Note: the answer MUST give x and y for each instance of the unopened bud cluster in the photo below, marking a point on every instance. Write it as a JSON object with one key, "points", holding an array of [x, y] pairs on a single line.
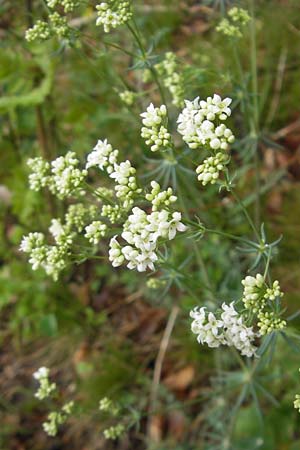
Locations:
{"points": [[158, 197], [155, 130], [62, 176], [53, 258], [127, 97], [57, 24], [155, 283], [209, 170], [233, 25], [259, 298], [172, 79], [57, 418]]}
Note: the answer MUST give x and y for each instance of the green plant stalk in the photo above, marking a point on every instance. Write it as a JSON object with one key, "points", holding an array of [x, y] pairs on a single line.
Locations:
{"points": [[254, 125]]}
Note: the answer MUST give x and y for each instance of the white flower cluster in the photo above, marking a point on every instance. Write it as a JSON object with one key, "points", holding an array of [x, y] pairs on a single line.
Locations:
{"points": [[57, 418], [142, 232], [95, 231], [154, 130], [46, 388], [209, 170], [50, 258], [103, 156], [199, 123], [113, 13], [114, 432], [126, 185], [40, 168], [168, 69], [32, 241], [297, 402], [53, 258], [109, 406], [229, 330], [63, 177], [61, 234], [160, 198], [66, 178]]}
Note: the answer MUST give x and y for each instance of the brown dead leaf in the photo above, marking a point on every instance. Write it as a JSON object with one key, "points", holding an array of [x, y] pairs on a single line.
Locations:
{"points": [[180, 380], [176, 425], [274, 202], [81, 354], [156, 425]]}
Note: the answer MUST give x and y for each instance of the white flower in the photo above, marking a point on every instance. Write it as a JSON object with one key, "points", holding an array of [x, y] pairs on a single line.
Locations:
{"points": [[228, 330], [102, 156], [161, 225], [122, 172], [45, 388], [199, 318], [126, 185], [116, 256], [40, 173], [66, 178], [196, 123], [112, 14], [140, 259], [42, 372], [175, 225]]}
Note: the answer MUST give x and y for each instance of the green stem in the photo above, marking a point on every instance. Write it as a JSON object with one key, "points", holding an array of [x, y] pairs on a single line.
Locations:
{"points": [[244, 209], [138, 40], [254, 125]]}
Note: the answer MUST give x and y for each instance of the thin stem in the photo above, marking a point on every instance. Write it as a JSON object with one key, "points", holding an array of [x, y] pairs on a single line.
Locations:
{"points": [[159, 361], [200, 260], [244, 209], [138, 40], [255, 123]]}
